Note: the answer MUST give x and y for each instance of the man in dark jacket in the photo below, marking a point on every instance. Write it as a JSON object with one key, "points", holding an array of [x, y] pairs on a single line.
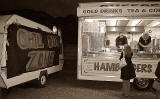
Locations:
{"points": [[144, 42], [157, 71], [121, 40], [157, 74]]}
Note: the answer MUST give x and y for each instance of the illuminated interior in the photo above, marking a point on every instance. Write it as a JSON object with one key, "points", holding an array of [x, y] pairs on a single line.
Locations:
{"points": [[99, 35]]}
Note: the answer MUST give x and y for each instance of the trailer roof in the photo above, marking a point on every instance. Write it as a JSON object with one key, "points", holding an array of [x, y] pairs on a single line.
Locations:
{"points": [[6, 20], [119, 4]]}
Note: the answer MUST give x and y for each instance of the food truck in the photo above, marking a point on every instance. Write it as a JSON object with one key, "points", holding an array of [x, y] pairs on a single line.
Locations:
{"points": [[100, 26], [28, 51]]}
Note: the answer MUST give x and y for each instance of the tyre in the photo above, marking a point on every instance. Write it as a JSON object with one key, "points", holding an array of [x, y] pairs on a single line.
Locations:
{"points": [[42, 80], [142, 83]]}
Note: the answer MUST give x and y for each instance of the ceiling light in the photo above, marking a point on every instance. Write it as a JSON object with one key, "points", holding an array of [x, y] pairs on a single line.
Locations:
{"points": [[89, 20], [113, 22], [153, 23], [156, 23], [54, 29], [133, 22], [113, 28]]}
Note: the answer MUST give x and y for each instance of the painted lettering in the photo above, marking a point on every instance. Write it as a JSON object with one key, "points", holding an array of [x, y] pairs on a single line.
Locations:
{"points": [[149, 68], [26, 39], [143, 68], [143, 10], [90, 11], [103, 67], [96, 66], [133, 10], [111, 11], [53, 41], [138, 68], [154, 10], [40, 59], [106, 66]]}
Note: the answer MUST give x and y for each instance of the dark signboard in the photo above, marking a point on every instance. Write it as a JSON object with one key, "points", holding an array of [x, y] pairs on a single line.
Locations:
{"points": [[30, 49]]}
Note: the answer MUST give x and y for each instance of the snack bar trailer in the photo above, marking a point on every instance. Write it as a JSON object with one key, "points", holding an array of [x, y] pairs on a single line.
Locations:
{"points": [[100, 27]]}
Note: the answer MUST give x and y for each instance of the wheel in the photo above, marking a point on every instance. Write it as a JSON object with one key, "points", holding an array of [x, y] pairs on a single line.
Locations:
{"points": [[42, 80], [142, 83]]}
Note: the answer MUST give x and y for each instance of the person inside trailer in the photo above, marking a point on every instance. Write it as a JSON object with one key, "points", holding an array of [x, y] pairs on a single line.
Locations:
{"points": [[121, 40], [144, 42]]}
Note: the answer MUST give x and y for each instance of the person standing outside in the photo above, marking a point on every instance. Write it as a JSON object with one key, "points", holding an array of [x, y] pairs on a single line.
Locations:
{"points": [[128, 71], [144, 42], [157, 74]]}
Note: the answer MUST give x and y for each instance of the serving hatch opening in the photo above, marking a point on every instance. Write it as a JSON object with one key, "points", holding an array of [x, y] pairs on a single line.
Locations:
{"points": [[100, 35]]}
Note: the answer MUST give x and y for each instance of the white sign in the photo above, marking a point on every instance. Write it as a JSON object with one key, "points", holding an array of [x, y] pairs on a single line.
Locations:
{"points": [[143, 68], [119, 11]]}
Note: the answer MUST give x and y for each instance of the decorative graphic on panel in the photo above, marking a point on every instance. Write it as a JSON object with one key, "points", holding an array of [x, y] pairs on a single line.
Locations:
{"points": [[30, 49]]}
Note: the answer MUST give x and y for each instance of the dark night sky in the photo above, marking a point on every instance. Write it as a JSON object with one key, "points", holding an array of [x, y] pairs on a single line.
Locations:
{"points": [[52, 7]]}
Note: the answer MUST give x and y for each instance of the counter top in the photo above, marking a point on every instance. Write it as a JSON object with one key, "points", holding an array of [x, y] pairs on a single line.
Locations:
{"points": [[146, 56]]}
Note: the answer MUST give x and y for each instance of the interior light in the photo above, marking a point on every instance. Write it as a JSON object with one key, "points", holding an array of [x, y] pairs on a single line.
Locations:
{"points": [[109, 76], [113, 28], [133, 29], [102, 27], [54, 29], [89, 20], [102, 30], [107, 49], [156, 23], [133, 22], [113, 22]]}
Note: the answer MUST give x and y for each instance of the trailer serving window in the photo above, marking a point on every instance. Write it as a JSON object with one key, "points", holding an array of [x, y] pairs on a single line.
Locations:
{"points": [[102, 37], [105, 27]]}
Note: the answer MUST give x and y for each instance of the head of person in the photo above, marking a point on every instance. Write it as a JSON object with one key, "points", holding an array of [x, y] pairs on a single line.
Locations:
{"points": [[127, 50], [121, 34], [145, 36]]}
